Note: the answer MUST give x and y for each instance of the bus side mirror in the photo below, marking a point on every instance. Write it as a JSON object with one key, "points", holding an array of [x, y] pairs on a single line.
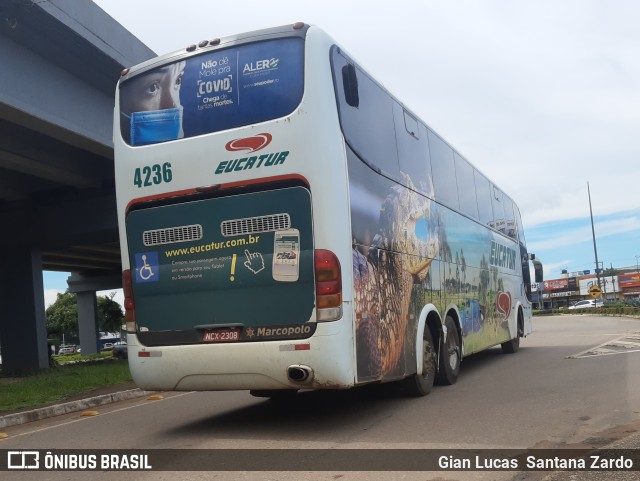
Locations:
{"points": [[350, 83], [537, 267]]}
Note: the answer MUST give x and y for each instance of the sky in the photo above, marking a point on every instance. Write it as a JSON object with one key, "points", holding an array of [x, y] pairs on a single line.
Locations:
{"points": [[543, 97]]}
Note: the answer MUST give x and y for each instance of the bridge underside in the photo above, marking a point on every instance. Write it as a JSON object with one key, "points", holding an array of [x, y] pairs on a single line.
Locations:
{"points": [[61, 61]]}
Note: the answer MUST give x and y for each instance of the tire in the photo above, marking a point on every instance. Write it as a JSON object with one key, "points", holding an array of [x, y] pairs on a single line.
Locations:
{"points": [[418, 385], [449, 355], [512, 346], [275, 394]]}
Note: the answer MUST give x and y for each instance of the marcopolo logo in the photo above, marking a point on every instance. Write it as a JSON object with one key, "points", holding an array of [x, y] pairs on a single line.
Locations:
{"points": [[250, 144], [296, 331]]}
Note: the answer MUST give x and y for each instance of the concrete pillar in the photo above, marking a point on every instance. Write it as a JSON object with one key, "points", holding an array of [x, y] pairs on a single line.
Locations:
{"points": [[23, 332], [85, 287], [87, 313]]}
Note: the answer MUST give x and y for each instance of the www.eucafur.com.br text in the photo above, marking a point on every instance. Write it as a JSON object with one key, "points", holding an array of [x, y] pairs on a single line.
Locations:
{"points": [[213, 246]]}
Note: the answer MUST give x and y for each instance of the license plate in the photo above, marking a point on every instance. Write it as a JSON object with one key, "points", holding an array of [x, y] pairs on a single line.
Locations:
{"points": [[223, 334]]}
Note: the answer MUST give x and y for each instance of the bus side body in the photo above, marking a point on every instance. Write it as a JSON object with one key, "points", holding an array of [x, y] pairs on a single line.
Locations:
{"points": [[433, 238]]}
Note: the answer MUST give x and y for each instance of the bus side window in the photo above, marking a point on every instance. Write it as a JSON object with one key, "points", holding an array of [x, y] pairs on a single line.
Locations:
{"points": [[411, 125], [519, 226], [413, 151], [483, 193], [500, 220], [367, 120], [510, 229], [444, 171], [466, 187]]}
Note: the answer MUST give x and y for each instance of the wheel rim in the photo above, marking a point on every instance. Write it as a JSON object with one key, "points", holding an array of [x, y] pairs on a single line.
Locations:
{"points": [[520, 328], [454, 357], [428, 363]]}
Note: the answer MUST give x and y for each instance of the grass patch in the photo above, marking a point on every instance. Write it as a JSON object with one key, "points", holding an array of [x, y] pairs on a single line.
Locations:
{"points": [[59, 383], [77, 357]]}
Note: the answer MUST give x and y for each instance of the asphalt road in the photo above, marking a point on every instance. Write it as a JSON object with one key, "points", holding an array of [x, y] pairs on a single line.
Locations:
{"points": [[574, 383]]}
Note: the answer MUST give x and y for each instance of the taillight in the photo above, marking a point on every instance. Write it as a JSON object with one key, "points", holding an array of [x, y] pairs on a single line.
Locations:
{"points": [[129, 305], [328, 286]]}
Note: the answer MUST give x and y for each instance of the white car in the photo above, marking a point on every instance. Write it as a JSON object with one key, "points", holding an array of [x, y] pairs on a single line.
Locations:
{"points": [[66, 350], [586, 304]]}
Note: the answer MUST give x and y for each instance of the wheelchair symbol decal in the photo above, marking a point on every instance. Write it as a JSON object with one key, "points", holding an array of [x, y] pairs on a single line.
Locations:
{"points": [[147, 267]]}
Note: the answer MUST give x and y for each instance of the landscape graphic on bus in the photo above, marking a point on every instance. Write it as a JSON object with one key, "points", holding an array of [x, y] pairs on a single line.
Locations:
{"points": [[404, 258], [217, 90]]}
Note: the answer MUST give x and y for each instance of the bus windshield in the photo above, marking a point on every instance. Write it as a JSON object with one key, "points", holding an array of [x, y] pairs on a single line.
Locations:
{"points": [[215, 91]]}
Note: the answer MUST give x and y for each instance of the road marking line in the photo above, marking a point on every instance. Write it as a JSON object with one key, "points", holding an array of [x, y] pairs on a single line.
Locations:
{"points": [[624, 344]]}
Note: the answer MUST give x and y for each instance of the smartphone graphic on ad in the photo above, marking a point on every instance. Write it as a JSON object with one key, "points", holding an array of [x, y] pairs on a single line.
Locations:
{"points": [[286, 255]]}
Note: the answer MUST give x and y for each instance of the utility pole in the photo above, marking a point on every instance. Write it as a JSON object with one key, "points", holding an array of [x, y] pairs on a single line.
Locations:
{"points": [[614, 274], [593, 233]]}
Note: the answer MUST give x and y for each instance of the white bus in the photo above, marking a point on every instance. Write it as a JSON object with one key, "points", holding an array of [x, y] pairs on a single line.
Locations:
{"points": [[286, 224]]}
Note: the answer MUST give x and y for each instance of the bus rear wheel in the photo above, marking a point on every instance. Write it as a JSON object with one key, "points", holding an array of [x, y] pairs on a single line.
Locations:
{"points": [[274, 394], [421, 384], [449, 355]]}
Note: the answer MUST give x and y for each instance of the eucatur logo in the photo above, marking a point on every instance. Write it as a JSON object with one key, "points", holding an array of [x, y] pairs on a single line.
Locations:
{"points": [[250, 144]]}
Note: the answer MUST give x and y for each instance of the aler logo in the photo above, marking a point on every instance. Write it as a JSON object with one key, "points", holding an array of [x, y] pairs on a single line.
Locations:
{"points": [[250, 144]]}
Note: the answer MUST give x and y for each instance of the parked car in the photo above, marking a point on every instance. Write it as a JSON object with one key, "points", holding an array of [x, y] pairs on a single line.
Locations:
{"points": [[120, 350], [66, 350], [586, 304]]}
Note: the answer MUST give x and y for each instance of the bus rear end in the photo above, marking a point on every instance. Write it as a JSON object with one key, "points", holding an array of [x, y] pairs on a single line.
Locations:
{"points": [[232, 233]]}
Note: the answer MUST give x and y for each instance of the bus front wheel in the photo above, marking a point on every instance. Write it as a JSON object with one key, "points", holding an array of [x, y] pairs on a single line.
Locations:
{"points": [[512, 346]]}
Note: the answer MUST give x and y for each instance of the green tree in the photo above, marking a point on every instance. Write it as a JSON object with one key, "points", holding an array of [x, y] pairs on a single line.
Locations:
{"points": [[110, 315], [62, 316], [610, 272]]}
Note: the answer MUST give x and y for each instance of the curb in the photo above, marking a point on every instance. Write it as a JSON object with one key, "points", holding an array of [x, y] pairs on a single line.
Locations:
{"points": [[68, 407]]}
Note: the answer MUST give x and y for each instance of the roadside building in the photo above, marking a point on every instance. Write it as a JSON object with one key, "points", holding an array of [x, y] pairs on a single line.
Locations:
{"points": [[629, 285], [571, 288]]}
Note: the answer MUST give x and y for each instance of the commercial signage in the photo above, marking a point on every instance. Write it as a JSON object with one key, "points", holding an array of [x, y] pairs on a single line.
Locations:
{"points": [[629, 280], [563, 284], [556, 284], [608, 284], [564, 294]]}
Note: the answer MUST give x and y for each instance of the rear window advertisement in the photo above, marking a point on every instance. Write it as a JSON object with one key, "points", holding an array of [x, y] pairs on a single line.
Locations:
{"points": [[214, 91], [218, 261]]}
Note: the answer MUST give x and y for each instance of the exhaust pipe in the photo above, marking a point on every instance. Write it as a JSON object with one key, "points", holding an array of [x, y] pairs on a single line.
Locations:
{"points": [[300, 374]]}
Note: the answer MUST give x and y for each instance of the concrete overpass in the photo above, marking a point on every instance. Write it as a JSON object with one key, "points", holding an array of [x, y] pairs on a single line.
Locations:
{"points": [[61, 60]]}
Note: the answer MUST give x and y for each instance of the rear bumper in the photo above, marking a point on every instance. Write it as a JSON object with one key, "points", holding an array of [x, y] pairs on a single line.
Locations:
{"points": [[248, 365]]}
